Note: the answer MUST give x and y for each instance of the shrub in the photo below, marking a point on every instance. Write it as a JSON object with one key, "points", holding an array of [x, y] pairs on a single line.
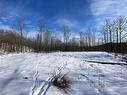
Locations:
{"points": [[62, 82]]}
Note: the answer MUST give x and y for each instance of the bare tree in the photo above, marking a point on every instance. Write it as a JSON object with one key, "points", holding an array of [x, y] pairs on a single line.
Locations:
{"points": [[122, 25], [106, 30], [82, 39], [20, 27], [67, 34], [40, 34], [89, 36]]}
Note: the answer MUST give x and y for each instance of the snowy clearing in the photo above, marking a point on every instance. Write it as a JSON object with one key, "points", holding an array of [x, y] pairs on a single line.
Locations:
{"points": [[88, 78]]}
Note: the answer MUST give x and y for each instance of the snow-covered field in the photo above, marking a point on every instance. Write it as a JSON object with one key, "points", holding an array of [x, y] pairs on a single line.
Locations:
{"points": [[88, 78]]}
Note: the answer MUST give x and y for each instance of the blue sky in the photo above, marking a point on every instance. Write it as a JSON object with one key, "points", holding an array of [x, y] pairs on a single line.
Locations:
{"points": [[77, 14]]}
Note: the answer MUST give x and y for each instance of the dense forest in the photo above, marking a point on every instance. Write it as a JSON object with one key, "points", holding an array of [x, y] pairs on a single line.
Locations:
{"points": [[112, 38]]}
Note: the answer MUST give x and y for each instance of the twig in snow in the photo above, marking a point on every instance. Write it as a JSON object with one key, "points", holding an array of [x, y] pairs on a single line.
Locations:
{"points": [[45, 86], [34, 83]]}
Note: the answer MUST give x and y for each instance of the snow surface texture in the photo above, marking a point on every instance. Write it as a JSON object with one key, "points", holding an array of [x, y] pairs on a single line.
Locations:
{"points": [[20, 72]]}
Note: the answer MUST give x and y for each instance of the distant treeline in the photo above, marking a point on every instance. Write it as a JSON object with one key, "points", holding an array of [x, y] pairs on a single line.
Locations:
{"points": [[112, 39]]}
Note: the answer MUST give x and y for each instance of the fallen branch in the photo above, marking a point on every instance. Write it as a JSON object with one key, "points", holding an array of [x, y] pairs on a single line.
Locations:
{"points": [[111, 63]]}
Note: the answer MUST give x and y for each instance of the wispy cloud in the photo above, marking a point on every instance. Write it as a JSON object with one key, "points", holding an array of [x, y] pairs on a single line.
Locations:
{"points": [[112, 8], [66, 22]]}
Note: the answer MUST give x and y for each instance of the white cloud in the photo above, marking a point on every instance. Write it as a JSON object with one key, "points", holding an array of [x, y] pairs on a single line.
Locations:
{"points": [[66, 22], [112, 8], [99, 7]]}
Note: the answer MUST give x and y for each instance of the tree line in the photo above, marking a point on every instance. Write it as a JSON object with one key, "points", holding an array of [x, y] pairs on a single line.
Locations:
{"points": [[115, 33], [113, 36]]}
